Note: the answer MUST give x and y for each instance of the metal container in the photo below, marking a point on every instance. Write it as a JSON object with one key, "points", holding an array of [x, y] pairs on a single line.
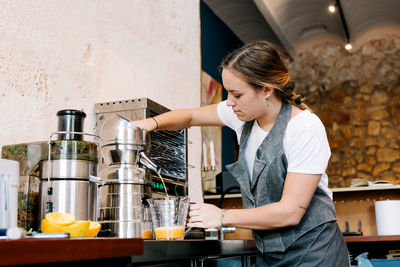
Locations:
{"points": [[167, 149], [70, 120], [65, 171], [77, 197], [118, 153], [119, 130], [68, 169], [125, 174], [124, 210], [126, 180], [72, 192], [127, 154]]}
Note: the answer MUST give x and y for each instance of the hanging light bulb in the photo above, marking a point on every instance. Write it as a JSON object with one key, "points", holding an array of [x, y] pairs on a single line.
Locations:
{"points": [[332, 8], [348, 46]]}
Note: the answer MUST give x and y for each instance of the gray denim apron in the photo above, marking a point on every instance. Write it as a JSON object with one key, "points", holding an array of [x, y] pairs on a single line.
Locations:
{"points": [[266, 187]]}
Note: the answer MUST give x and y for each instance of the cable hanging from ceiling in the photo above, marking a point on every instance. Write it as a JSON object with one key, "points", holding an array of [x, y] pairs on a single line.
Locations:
{"points": [[336, 6]]}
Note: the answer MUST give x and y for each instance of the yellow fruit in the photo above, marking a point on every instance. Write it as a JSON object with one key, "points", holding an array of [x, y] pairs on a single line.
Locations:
{"points": [[49, 227], [60, 218], [94, 228], [148, 234], [77, 229]]}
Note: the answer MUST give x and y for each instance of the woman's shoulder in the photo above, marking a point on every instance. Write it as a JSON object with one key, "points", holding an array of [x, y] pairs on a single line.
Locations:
{"points": [[295, 111], [305, 119]]}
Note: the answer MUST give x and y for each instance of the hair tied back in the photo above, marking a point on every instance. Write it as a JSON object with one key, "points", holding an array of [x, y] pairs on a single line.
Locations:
{"points": [[289, 86]]}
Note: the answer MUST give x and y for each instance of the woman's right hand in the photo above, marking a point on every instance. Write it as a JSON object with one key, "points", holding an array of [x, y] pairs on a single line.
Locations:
{"points": [[182, 118], [147, 124]]}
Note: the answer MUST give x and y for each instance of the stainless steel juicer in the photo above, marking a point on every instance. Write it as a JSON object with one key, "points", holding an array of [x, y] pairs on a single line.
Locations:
{"points": [[64, 174], [167, 149], [126, 179]]}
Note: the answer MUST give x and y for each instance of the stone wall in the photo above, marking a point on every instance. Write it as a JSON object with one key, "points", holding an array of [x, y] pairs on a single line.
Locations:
{"points": [[357, 97]]}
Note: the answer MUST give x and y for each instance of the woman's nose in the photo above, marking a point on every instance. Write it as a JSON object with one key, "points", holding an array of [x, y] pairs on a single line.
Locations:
{"points": [[230, 102]]}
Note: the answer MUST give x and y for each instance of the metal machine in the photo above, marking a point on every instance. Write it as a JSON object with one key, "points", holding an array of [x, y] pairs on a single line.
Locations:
{"points": [[167, 149], [64, 174], [125, 182], [128, 175]]}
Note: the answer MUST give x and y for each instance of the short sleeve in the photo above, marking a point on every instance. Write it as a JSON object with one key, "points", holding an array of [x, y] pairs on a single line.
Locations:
{"points": [[308, 150], [228, 117]]}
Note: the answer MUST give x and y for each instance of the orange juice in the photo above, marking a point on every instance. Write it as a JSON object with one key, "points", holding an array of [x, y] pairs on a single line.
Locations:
{"points": [[176, 232], [147, 234], [162, 180]]}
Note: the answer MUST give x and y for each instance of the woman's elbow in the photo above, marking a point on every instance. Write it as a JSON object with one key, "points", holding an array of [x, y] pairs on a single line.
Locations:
{"points": [[293, 218]]}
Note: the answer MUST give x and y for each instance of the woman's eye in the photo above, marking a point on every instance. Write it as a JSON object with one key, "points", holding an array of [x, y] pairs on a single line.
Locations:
{"points": [[237, 96]]}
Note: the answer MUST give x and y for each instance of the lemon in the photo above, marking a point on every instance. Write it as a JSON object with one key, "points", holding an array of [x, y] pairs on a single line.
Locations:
{"points": [[94, 228], [60, 218], [77, 229], [49, 227]]}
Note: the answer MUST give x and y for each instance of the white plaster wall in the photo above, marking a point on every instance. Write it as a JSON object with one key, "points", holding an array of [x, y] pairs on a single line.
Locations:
{"points": [[72, 54]]}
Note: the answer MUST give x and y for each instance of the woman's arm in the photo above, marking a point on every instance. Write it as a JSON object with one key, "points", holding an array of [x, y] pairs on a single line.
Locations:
{"points": [[182, 118], [297, 194]]}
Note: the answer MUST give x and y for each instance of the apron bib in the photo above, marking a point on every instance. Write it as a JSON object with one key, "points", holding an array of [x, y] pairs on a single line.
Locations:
{"points": [[266, 187]]}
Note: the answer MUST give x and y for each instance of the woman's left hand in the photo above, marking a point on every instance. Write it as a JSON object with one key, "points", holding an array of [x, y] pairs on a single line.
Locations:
{"points": [[204, 216]]}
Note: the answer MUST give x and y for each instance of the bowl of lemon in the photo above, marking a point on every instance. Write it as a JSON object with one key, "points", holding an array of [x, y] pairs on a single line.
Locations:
{"points": [[59, 222]]}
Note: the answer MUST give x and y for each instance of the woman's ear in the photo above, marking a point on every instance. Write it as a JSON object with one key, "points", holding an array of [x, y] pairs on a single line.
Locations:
{"points": [[268, 91]]}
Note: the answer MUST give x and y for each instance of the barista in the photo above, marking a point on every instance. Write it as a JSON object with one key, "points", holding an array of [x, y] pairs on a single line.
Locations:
{"points": [[283, 156]]}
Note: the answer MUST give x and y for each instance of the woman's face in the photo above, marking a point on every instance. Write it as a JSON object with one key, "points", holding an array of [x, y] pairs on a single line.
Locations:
{"points": [[247, 103]]}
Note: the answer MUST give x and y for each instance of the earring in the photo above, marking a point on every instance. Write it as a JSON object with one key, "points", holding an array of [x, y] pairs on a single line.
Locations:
{"points": [[267, 102]]}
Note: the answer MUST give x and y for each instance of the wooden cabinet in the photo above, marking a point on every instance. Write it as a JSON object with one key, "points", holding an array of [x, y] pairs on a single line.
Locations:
{"points": [[376, 246], [351, 204], [357, 204]]}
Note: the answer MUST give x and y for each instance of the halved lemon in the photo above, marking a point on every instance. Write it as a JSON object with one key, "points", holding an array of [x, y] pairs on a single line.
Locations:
{"points": [[60, 218], [49, 227], [94, 228], [77, 229]]}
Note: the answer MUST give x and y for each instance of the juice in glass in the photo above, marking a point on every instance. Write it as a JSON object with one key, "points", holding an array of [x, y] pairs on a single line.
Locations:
{"points": [[168, 233], [169, 217], [147, 234]]}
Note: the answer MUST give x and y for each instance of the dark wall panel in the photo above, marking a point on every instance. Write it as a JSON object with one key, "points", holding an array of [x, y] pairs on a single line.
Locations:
{"points": [[217, 40]]}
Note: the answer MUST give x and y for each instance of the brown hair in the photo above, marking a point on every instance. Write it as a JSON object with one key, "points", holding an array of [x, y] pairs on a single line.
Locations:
{"points": [[261, 64]]}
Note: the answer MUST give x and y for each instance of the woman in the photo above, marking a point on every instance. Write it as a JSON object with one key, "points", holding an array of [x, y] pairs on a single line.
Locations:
{"points": [[283, 156]]}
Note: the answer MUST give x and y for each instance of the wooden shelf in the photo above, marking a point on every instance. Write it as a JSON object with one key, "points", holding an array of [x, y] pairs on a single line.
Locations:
{"points": [[365, 188], [352, 204], [39, 251], [238, 195], [334, 190], [382, 238]]}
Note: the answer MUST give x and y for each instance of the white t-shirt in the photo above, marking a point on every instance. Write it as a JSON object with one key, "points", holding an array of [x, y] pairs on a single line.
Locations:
{"points": [[305, 143]]}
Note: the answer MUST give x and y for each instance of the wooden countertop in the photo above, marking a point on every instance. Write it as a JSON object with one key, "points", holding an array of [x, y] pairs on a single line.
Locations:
{"points": [[33, 251], [39, 251]]}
